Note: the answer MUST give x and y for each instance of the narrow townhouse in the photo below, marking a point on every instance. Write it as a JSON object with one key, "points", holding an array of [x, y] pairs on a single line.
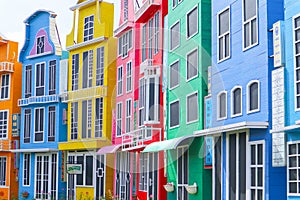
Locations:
{"points": [[10, 92], [239, 108], [91, 81], [41, 174]]}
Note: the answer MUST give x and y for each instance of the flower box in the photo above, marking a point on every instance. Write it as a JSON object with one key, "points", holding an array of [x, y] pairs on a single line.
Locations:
{"points": [[25, 194], [169, 187], [191, 189]]}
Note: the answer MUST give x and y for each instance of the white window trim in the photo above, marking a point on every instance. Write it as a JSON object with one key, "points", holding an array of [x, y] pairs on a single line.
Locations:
{"points": [[175, 23], [186, 107], [176, 126], [9, 87], [186, 64], [248, 96], [120, 80], [218, 105], [156, 99], [249, 21], [130, 116], [174, 6], [55, 119], [213, 168], [88, 35], [188, 158], [36, 45], [229, 32], [49, 75], [186, 17], [120, 54], [34, 125], [121, 119], [232, 102], [28, 169], [7, 125], [131, 76], [6, 174], [287, 167], [175, 86], [295, 63], [35, 77]]}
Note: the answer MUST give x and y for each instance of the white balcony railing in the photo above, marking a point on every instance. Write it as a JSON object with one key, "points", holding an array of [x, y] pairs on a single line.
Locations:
{"points": [[38, 99], [7, 145], [98, 91], [138, 138], [6, 67]]}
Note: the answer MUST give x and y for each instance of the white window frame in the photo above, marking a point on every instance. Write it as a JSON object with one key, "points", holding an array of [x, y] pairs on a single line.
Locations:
{"points": [[119, 119], [3, 183], [213, 168], [120, 81], [25, 169], [7, 124], [5, 87], [218, 105], [297, 143], [232, 101], [90, 26], [186, 104], [75, 76], [182, 171], [125, 43], [295, 61], [90, 68], [142, 100], [144, 42], [156, 32], [170, 40], [172, 102], [197, 67], [28, 81], [41, 131], [99, 122], [187, 22], [224, 35], [128, 115], [50, 123], [52, 76], [100, 66], [74, 121], [43, 85], [27, 125], [156, 100], [249, 21], [143, 171], [42, 49], [129, 76], [175, 86], [248, 96]]}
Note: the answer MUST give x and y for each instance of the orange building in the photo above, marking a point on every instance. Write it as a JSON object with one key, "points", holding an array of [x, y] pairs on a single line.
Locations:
{"points": [[10, 92]]}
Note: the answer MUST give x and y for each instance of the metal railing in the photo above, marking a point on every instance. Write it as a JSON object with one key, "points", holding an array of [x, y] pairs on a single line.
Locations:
{"points": [[86, 93], [6, 67], [38, 99]]}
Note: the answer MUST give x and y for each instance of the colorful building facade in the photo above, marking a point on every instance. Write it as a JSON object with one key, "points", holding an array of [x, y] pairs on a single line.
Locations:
{"points": [[42, 125], [91, 80], [240, 102], [10, 92]]}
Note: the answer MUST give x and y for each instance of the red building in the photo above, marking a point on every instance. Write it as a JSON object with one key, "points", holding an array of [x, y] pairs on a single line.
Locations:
{"points": [[139, 101]]}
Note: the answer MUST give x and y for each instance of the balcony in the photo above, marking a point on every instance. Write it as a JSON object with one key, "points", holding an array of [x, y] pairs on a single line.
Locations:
{"points": [[148, 68], [7, 145], [123, 28], [87, 93], [38, 99], [146, 11], [6, 67], [140, 138]]}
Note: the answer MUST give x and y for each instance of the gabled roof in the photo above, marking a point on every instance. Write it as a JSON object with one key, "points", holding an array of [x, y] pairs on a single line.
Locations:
{"points": [[33, 15]]}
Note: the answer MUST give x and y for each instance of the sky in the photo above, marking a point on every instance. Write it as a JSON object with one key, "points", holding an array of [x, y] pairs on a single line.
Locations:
{"points": [[14, 12]]}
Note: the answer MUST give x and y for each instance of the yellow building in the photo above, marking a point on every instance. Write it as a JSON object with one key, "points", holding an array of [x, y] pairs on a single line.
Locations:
{"points": [[91, 82]]}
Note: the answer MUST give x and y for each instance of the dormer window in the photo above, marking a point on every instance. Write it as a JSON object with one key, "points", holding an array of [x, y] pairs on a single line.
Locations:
{"points": [[88, 28], [40, 45]]}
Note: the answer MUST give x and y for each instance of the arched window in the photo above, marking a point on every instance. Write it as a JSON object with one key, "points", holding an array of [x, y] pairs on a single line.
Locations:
{"points": [[253, 96], [222, 105], [236, 99]]}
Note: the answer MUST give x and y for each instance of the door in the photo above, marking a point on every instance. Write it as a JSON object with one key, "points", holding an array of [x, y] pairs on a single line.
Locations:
{"points": [[71, 180], [100, 176], [152, 176], [123, 176], [182, 173]]}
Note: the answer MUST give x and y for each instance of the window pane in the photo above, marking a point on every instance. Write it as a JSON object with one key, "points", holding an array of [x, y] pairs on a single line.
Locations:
{"points": [[174, 74], [89, 170], [297, 35], [260, 176], [192, 106], [221, 48], [253, 31], [222, 105], [293, 174], [237, 101], [246, 35], [224, 22], [192, 22], [254, 96], [260, 154], [293, 187], [253, 175], [292, 149], [174, 114], [253, 156], [227, 45], [298, 47], [192, 64], [175, 35], [249, 9]]}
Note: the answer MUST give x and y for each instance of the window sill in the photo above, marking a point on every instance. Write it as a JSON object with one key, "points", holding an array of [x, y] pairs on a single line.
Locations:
{"points": [[249, 47]]}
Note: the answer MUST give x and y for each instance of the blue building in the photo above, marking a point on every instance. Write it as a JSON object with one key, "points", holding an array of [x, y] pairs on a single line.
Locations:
{"points": [[43, 125], [286, 96], [240, 118]]}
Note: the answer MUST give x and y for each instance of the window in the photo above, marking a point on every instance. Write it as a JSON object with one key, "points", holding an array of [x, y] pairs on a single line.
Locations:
{"points": [[75, 71], [125, 10], [125, 43], [74, 121], [119, 119], [143, 172], [120, 80], [142, 102], [27, 125], [26, 169], [128, 115], [182, 172], [87, 69], [39, 125], [150, 38], [175, 36], [144, 42], [222, 105], [28, 80], [40, 45], [174, 74], [192, 22], [86, 119], [2, 171], [129, 76], [192, 108], [51, 124], [5, 86], [52, 77], [250, 24], [156, 33], [257, 170], [174, 114], [99, 117], [100, 67], [40, 79], [174, 3], [3, 124], [236, 100], [224, 34], [253, 97], [297, 60], [217, 168], [294, 168], [88, 28], [152, 98], [192, 65]]}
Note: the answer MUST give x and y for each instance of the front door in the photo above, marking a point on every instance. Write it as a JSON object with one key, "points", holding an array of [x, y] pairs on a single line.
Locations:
{"points": [[152, 176], [100, 176], [123, 176], [182, 172], [71, 180]]}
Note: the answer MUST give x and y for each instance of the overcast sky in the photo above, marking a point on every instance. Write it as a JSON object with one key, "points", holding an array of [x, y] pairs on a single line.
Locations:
{"points": [[14, 12]]}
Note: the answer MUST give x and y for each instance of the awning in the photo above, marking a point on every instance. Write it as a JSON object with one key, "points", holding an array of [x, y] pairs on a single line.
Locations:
{"points": [[109, 149], [169, 144], [42, 150]]}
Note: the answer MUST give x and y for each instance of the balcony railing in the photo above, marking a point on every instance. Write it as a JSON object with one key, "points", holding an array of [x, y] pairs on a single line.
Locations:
{"points": [[7, 145], [38, 99], [148, 68], [99, 91], [6, 67], [139, 138], [144, 12]]}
